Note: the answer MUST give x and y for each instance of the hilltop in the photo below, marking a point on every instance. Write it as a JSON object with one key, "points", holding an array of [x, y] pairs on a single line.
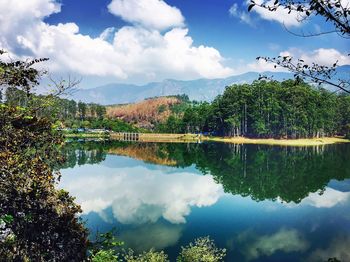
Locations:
{"points": [[149, 112], [199, 89]]}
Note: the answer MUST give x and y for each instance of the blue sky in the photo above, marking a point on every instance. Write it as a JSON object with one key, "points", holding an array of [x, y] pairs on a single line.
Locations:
{"points": [[151, 40]]}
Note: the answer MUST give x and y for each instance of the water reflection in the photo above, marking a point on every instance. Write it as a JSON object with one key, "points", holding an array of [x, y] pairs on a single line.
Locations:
{"points": [[139, 195], [157, 236], [287, 174], [262, 203], [285, 240]]}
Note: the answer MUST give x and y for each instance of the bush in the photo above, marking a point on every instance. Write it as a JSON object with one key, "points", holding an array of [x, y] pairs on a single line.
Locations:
{"points": [[203, 250], [150, 256]]}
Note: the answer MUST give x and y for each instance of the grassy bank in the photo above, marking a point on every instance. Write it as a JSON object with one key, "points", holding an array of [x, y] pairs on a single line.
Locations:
{"points": [[183, 138], [86, 135], [281, 142]]}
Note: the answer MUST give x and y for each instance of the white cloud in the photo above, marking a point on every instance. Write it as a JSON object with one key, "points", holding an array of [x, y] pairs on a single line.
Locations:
{"points": [[108, 34], [132, 52], [321, 56], [338, 248], [324, 56], [285, 240], [281, 15], [155, 14], [261, 66], [241, 15], [328, 199], [138, 195]]}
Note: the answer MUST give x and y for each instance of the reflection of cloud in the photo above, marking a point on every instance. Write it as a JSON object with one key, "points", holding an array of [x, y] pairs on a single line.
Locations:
{"points": [[286, 240], [155, 236], [139, 195], [328, 199], [339, 248]]}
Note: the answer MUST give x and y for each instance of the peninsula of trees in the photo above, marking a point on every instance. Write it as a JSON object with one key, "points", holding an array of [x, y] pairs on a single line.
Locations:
{"points": [[267, 109]]}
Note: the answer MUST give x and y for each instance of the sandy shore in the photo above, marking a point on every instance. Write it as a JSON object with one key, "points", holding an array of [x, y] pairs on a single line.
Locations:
{"points": [[282, 142]]}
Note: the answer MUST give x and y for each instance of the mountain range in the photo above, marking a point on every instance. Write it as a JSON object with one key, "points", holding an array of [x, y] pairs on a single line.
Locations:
{"points": [[200, 89]]}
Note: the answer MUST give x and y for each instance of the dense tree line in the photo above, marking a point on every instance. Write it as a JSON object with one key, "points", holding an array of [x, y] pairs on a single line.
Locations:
{"points": [[268, 109], [61, 108], [66, 113]]}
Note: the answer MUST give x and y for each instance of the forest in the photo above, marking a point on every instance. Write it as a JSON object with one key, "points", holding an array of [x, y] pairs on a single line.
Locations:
{"points": [[264, 109], [66, 113], [267, 109]]}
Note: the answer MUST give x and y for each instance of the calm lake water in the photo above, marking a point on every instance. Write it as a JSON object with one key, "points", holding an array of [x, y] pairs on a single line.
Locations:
{"points": [[261, 203]]}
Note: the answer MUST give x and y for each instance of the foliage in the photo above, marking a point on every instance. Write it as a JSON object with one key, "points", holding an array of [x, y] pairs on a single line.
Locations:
{"points": [[44, 225], [38, 222], [104, 247], [19, 73], [150, 256], [203, 250], [290, 109], [55, 108], [335, 12], [147, 113]]}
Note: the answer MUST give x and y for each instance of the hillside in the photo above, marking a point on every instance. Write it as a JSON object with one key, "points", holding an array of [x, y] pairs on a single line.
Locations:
{"points": [[147, 113], [199, 90]]}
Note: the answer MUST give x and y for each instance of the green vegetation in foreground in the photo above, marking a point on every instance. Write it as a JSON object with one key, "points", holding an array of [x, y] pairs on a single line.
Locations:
{"points": [[67, 114], [202, 250], [38, 222]]}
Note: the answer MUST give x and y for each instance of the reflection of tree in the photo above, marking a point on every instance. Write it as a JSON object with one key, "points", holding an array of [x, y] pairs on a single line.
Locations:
{"points": [[150, 153], [265, 172], [81, 153], [261, 172]]}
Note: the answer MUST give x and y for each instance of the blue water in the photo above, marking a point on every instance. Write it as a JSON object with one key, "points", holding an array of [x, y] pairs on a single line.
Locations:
{"points": [[152, 205]]}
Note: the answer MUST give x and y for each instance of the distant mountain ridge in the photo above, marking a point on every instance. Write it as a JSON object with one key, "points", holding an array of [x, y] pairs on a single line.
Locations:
{"points": [[200, 89]]}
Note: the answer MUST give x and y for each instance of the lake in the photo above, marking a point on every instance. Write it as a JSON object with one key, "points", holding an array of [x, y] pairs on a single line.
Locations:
{"points": [[261, 203]]}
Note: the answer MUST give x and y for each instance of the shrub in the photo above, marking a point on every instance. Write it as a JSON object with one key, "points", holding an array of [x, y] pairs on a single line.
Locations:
{"points": [[203, 250]]}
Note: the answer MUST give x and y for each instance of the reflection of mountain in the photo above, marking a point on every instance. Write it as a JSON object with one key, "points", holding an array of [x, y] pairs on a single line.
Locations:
{"points": [[262, 172], [149, 153]]}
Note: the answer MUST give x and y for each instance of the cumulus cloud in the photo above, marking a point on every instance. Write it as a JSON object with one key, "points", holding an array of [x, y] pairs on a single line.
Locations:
{"points": [[328, 199], [138, 195], [285, 240], [108, 34], [281, 15], [324, 56], [155, 14], [321, 56], [263, 66], [137, 51]]}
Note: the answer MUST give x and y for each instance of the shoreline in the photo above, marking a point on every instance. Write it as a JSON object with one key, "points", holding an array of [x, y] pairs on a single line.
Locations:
{"points": [[279, 142], [185, 138]]}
